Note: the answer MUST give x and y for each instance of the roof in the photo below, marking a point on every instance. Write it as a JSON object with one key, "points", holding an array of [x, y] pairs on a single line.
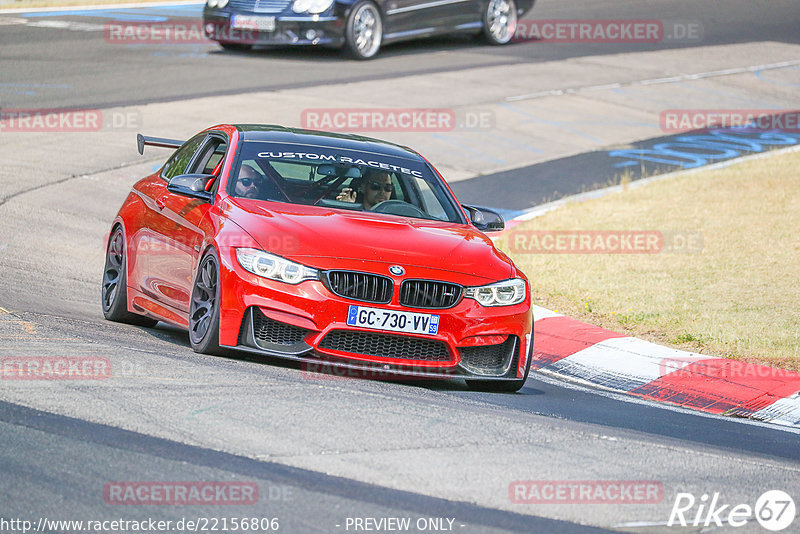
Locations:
{"points": [[281, 134]]}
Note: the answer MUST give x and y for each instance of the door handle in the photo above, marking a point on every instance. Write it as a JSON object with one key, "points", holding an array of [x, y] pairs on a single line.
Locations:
{"points": [[161, 202]]}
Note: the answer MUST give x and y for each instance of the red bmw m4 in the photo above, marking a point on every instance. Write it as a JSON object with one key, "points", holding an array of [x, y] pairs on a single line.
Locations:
{"points": [[328, 249]]}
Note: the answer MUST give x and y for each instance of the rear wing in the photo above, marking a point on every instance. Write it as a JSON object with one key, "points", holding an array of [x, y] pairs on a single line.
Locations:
{"points": [[142, 141]]}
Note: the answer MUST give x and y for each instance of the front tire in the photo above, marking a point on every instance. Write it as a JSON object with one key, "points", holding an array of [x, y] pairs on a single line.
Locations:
{"points": [[114, 294], [500, 21], [204, 307], [363, 31]]}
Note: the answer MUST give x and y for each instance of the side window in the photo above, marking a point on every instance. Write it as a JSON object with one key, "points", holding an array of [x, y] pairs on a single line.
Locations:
{"points": [[399, 191], [215, 158], [209, 156], [180, 159]]}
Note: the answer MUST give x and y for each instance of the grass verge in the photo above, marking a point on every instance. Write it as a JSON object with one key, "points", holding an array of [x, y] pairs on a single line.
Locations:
{"points": [[726, 281]]}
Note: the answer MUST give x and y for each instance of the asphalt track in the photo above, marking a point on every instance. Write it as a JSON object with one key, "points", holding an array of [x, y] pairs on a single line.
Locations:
{"points": [[67, 67], [327, 448], [572, 175]]}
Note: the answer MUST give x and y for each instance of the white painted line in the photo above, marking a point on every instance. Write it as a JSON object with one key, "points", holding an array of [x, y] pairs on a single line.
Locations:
{"points": [[625, 363], [67, 25], [785, 411], [543, 313], [602, 87], [656, 81]]}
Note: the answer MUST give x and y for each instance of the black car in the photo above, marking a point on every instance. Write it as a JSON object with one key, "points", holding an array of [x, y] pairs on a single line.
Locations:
{"points": [[359, 27]]}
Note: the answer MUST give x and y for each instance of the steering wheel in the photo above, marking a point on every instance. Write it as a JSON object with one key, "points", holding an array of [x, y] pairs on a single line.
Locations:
{"points": [[399, 207]]}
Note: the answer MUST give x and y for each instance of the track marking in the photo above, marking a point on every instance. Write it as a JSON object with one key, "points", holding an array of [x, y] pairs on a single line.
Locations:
{"points": [[29, 327], [656, 81], [22, 338], [66, 25]]}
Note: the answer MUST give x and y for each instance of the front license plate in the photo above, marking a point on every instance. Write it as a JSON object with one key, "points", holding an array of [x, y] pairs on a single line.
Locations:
{"points": [[251, 22], [393, 321]]}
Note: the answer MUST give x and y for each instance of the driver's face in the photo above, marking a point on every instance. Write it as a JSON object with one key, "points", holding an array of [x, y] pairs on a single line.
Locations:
{"points": [[377, 188], [247, 183]]}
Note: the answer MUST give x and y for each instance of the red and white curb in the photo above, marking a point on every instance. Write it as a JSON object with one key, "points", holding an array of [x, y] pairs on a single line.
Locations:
{"points": [[567, 348]]}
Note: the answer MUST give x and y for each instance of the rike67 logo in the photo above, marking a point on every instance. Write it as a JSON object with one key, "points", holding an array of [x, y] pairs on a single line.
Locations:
{"points": [[774, 510]]}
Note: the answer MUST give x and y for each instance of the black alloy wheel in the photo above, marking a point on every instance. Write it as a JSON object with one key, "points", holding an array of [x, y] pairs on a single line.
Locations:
{"points": [[204, 307], [114, 297]]}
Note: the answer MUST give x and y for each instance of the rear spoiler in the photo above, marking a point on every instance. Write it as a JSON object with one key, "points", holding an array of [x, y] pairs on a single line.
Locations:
{"points": [[142, 140]]}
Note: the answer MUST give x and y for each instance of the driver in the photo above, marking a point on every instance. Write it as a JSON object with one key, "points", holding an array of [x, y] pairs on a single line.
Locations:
{"points": [[249, 183], [376, 187]]}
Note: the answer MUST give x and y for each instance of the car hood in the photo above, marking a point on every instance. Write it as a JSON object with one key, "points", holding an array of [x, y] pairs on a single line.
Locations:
{"points": [[322, 237]]}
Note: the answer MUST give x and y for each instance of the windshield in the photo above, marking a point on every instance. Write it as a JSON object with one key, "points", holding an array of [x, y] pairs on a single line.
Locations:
{"points": [[343, 179]]}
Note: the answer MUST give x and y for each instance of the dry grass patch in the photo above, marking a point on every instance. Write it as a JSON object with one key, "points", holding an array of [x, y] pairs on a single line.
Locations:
{"points": [[735, 295]]}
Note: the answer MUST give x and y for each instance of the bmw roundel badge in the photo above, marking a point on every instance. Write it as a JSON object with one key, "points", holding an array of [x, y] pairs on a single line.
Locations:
{"points": [[396, 270]]}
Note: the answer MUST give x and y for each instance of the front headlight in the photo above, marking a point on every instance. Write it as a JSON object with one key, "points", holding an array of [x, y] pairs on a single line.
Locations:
{"points": [[274, 267], [505, 293], [311, 6], [212, 3], [301, 6]]}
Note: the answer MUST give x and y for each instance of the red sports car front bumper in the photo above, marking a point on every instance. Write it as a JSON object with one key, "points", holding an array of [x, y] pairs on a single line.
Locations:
{"points": [[308, 322]]}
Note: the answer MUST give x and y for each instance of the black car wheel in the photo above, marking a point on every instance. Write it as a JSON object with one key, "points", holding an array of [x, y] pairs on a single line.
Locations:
{"points": [[500, 21], [115, 284], [363, 31], [204, 308]]}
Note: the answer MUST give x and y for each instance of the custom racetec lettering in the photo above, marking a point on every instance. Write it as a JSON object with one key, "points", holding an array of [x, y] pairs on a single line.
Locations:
{"points": [[311, 156]]}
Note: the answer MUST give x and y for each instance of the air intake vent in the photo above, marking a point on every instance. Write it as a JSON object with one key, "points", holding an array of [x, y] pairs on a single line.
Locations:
{"points": [[386, 346], [269, 331], [260, 6], [489, 359]]}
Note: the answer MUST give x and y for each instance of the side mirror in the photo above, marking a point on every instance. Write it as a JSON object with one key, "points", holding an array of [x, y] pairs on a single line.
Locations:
{"points": [[191, 185], [484, 219]]}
